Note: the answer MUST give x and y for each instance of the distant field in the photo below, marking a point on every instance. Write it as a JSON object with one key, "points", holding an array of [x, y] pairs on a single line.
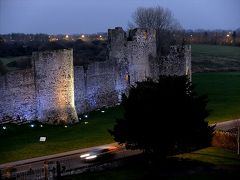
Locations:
{"points": [[17, 62], [204, 58], [223, 89], [215, 58], [7, 60]]}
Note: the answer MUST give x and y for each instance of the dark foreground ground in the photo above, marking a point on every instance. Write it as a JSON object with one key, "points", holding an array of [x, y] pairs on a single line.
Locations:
{"points": [[137, 168]]}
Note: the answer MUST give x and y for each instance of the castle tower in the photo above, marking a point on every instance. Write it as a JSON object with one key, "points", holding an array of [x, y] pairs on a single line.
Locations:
{"points": [[177, 62], [140, 51], [54, 84], [132, 54], [117, 42]]}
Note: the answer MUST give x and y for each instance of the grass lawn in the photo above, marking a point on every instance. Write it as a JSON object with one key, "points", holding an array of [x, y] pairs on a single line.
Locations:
{"points": [[22, 142], [215, 58], [223, 89], [213, 155], [209, 163]]}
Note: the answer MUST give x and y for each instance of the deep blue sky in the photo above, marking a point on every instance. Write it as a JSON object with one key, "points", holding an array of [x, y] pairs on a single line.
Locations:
{"points": [[90, 16]]}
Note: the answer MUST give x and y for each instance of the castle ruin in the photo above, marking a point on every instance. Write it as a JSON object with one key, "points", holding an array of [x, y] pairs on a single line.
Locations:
{"points": [[53, 91]]}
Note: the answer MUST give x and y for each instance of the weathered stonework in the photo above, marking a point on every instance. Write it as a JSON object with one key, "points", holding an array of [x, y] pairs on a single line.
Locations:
{"points": [[45, 92], [17, 95], [54, 83], [131, 53], [95, 86], [178, 62], [54, 91]]}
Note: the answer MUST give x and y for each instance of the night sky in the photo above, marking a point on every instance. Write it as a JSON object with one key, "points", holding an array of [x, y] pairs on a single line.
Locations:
{"points": [[91, 16]]}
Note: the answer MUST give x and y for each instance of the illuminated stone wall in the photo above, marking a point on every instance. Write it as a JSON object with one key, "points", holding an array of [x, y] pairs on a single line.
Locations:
{"points": [[132, 53], [102, 83], [95, 86], [17, 95], [136, 56], [55, 86], [54, 91], [45, 92], [140, 50]]}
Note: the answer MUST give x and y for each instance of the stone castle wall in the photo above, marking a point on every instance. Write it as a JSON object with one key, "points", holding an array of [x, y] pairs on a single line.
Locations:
{"points": [[44, 92], [17, 94], [54, 91], [132, 53], [95, 86], [178, 62], [54, 78]]}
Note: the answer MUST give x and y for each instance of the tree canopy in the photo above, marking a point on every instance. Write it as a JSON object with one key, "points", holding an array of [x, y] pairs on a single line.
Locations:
{"points": [[164, 117], [154, 17]]}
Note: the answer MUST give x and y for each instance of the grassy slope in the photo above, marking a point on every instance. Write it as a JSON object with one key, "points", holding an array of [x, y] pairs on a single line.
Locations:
{"points": [[23, 142], [223, 90], [215, 58], [213, 155]]}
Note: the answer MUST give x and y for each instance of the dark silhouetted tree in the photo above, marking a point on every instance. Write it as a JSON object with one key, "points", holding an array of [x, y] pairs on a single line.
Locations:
{"points": [[163, 118], [154, 17]]}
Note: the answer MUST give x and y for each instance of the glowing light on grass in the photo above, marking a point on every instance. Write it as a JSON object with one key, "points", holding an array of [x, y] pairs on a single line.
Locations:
{"points": [[4, 127], [65, 126], [32, 125], [86, 116]]}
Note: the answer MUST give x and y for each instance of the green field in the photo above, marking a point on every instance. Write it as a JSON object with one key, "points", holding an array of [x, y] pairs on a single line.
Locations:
{"points": [[223, 90], [22, 142], [215, 58], [213, 155]]}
